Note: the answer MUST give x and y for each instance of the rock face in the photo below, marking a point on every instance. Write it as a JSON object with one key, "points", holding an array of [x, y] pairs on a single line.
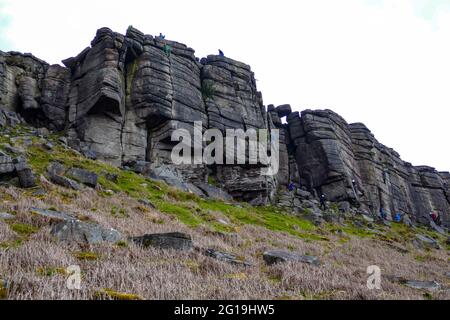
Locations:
{"points": [[121, 99]]}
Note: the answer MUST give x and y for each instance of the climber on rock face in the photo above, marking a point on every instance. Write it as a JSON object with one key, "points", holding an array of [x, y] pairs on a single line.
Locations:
{"points": [[398, 217], [434, 215], [221, 53], [323, 202], [167, 50], [383, 214], [161, 36], [291, 187]]}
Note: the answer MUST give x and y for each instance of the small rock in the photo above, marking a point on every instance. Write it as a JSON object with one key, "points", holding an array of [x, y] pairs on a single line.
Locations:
{"points": [[437, 228], [175, 241], [89, 154], [49, 146], [6, 216], [275, 257], [147, 203], [226, 257], [214, 192], [304, 195], [427, 241], [40, 192], [423, 285], [42, 132], [25, 174], [56, 169], [112, 177], [63, 141], [83, 176], [344, 206], [368, 219]]}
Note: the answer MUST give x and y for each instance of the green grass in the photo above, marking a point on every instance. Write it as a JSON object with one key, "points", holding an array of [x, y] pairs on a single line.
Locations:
{"points": [[23, 229], [87, 256]]}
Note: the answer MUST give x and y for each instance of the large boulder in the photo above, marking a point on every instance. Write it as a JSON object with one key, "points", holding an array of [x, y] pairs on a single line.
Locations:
{"points": [[75, 231], [83, 176]]}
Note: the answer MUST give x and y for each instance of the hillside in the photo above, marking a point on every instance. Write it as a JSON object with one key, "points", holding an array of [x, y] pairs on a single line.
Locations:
{"points": [[33, 259]]}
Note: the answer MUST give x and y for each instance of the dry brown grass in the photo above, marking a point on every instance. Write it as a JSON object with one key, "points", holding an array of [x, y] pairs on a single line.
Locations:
{"points": [[156, 274]]}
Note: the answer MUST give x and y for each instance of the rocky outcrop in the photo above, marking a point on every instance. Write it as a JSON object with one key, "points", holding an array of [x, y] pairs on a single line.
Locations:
{"points": [[121, 99]]}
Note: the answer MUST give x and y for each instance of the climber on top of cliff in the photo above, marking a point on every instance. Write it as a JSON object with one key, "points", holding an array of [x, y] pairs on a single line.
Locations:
{"points": [[161, 36], [221, 53]]}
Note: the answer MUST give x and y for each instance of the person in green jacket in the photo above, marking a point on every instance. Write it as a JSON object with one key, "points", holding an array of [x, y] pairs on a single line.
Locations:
{"points": [[167, 50]]}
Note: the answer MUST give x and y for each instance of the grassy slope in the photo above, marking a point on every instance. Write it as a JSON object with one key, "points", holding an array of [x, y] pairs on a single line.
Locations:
{"points": [[32, 261]]}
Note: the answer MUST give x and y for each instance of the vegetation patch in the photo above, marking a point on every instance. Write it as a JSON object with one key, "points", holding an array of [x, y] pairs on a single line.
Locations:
{"points": [[108, 294], [22, 229], [87, 256]]}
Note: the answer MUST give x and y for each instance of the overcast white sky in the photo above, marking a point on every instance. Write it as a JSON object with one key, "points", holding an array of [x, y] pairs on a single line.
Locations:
{"points": [[382, 62]]}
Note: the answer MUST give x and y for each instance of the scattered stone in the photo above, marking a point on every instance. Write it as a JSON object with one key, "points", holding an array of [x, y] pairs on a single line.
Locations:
{"points": [[304, 195], [6, 165], [275, 257], [75, 231], [13, 150], [6, 216], [368, 219], [425, 241], [447, 274], [89, 154], [56, 169], [437, 228], [65, 182], [406, 220], [344, 206], [214, 192], [42, 132], [25, 174], [54, 215], [227, 257], [39, 192], [83, 176], [63, 141], [147, 203], [112, 177], [175, 241], [49, 146], [423, 285]]}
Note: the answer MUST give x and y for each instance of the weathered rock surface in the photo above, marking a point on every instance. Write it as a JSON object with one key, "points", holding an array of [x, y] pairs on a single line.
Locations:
{"points": [[83, 176], [226, 257], [75, 231], [423, 285], [175, 241], [121, 99], [275, 257]]}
